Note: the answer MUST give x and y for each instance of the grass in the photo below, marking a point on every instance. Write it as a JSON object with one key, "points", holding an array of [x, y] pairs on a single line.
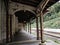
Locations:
{"points": [[54, 23], [57, 41]]}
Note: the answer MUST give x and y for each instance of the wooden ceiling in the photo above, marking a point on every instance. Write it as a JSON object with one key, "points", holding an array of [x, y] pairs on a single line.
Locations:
{"points": [[28, 2], [34, 3]]}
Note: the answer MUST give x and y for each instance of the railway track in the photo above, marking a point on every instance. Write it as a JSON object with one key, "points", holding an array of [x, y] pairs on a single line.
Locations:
{"points": [[50, 34], [53, 34]]}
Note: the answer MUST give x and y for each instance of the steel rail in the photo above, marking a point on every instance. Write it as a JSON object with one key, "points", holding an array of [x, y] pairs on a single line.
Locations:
{"points": [[51, 35]]}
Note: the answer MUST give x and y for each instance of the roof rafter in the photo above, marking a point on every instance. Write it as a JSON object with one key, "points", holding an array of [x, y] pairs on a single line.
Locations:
{"points": [[42, 4]]}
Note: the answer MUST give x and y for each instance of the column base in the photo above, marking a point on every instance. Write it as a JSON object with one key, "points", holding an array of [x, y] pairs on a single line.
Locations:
{"points": [[42, 44]]}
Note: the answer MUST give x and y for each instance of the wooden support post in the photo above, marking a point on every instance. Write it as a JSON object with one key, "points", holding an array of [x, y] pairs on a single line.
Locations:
{"points": [[26, 27], [37, 28], [41, 20], [41, 26], [7, 30], [10, 28], [41, 8], [13, 23], [7, 24], [30, 27], [16, 24]]}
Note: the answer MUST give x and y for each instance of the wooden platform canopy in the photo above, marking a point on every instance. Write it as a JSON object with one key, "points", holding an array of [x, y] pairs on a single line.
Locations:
{"points": [[27, 15]]}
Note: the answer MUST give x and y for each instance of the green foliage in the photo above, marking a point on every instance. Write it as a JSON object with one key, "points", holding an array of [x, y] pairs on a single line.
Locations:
{"points": [[54, 23], [52, 19], [54, 12]]}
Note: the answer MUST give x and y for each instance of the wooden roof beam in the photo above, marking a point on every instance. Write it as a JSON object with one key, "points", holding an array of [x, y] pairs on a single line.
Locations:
{"points": [[45, 4], [42, 5], [52, 0]]}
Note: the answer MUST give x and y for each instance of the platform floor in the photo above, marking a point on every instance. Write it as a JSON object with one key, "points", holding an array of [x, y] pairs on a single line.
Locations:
{"points": [[23, 36]]}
